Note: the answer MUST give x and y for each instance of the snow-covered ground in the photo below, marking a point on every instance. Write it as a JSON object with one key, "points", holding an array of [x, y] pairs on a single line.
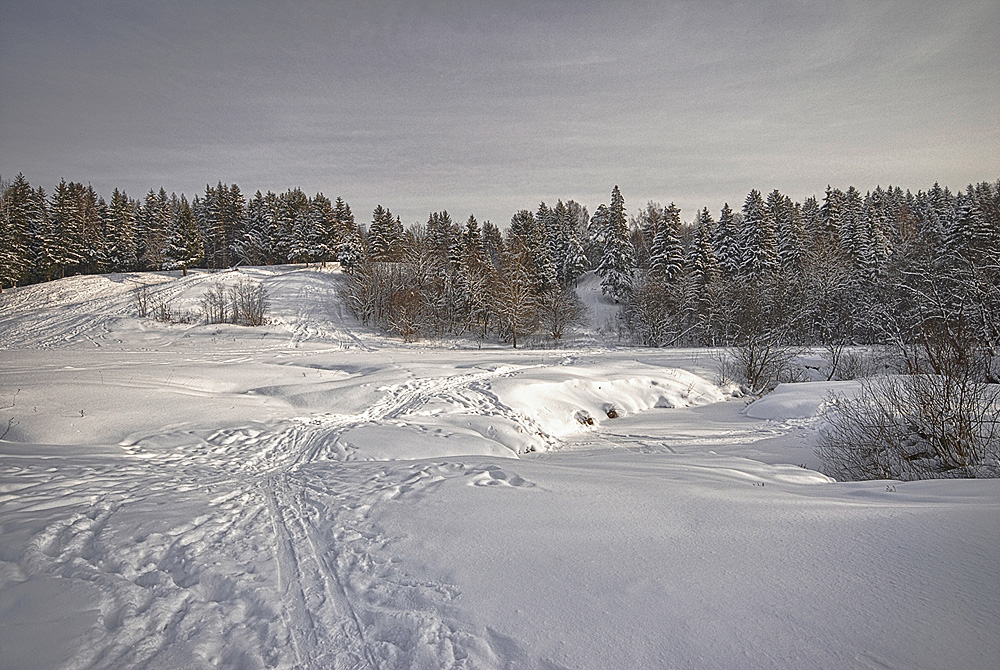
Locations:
{"points": [[313, 495]]}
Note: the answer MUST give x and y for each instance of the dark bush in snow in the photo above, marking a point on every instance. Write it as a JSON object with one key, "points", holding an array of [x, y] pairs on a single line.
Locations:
{"points": [[914, 427]]}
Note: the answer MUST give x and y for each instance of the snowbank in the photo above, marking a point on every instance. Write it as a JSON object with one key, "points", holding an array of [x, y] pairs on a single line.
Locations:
{"points": [[798, 401]]}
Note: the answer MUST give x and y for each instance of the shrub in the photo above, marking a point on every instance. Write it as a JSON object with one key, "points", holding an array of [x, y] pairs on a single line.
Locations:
{"points": [[249, 302], [941, 419], [914, 427], [214, 305], [244, 304], [142, 299]]}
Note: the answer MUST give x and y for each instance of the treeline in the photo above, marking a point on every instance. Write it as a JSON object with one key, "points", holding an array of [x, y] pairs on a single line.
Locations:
{"points": [[75, 231], [475, 280], [845, 268]]}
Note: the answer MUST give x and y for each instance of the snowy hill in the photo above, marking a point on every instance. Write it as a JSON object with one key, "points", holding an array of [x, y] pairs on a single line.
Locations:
{"points": [[309, 494]]}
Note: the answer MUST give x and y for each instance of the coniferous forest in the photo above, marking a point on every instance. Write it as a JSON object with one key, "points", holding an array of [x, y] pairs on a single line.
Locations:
{"points": [[845, 268]]}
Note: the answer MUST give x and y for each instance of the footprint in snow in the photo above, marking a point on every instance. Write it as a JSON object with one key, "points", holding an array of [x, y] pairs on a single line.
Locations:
{"points": [[495, 476]]}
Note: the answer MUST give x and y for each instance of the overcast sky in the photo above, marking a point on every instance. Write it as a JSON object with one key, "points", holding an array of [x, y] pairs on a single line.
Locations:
{"points": [[491, 107]]}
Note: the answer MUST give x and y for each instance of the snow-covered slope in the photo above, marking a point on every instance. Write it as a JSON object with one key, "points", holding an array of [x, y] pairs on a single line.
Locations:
{"points": [[311, 495]]}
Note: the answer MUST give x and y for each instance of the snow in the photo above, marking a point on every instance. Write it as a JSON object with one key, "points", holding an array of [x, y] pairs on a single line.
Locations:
{"points": [[311, 494]]}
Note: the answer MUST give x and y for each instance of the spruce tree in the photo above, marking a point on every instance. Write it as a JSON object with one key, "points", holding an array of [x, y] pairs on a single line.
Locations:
{"points": [[183, 246], [702, 274], [20, 216], [255, 242], [726, 243], [852, 227], [493, 246], [322, 233], [701, 262], [296, 223], [787, 218], [666, 255], [61, 248], [618, 259], [831, 215], [758, 240], [351, 251], [385, 236]]}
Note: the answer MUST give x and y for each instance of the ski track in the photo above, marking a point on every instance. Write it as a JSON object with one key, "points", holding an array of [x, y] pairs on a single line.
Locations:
{"points": [[98, 302], [283, 496]]}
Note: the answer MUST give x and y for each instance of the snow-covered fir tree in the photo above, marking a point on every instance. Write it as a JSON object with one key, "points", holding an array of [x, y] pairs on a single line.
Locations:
{"points": [[297, 226], [183, 246], [322, 229], [618, 259], [60, 247], [726, 243], [787, 218], [385, 235], [666, 254], [351, 250], [21, 214], [255, 242], [758, 239]]}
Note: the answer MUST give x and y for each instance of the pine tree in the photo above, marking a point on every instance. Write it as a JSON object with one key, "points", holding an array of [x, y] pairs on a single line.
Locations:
{"points": [[154, 223], [559, 236], [441, 231], [852, 233], [61, 249], [726, 243], [831, 215], [758, 240], [973, 230], [295, 221], [787, 218], [183, 247], [94, 243], [351, 251], [528, 233], [343, 221], [493, 247], [20, 215], [385, 236], [666, 254], [220, 216], [254, 244], [472, 238], [701, 262], [702, 274], [618, 259], [873, 245], [322, 234], [546, 250]]}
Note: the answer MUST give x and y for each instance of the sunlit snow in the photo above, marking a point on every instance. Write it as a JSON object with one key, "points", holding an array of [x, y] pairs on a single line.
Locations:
{"points": [[312, 494]]}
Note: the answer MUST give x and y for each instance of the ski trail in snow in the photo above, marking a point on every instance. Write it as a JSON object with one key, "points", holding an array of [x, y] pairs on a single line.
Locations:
{"points": [[269, 557], [324, 629]]}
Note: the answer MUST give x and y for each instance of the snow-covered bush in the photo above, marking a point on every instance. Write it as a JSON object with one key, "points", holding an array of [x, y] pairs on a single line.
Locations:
{"points": [[214, 305], [940, 419], [248, 303], [914, 427], [244, 304], [142, 299]]}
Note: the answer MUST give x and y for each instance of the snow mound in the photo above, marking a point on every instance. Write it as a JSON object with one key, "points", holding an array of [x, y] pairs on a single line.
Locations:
{"points": [[799, 401], [590, 397]]}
